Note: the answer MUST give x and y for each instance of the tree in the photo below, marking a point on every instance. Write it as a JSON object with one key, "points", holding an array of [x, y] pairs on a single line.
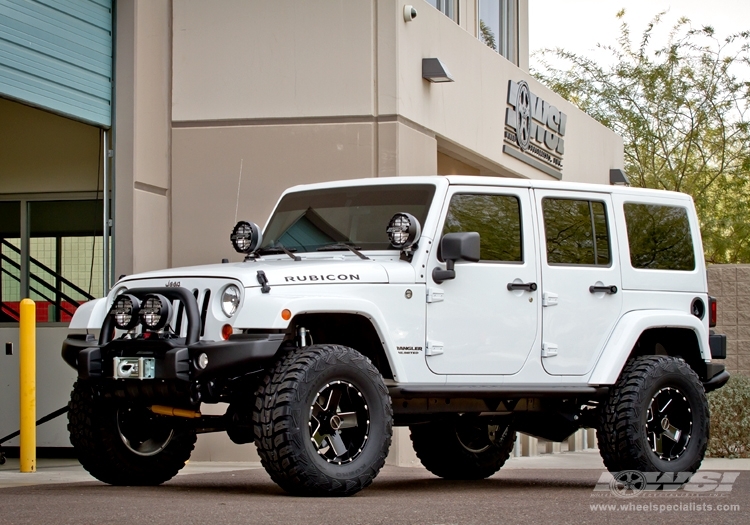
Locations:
{"points": [[682, 112], [488, 37]]}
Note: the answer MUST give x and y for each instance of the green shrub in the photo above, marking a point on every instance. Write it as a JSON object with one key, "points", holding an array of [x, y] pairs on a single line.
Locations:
{"points": [[730, 419]]}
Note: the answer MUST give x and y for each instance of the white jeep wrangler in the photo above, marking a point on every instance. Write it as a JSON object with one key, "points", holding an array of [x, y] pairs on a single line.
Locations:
{"points": [[467, 308]]}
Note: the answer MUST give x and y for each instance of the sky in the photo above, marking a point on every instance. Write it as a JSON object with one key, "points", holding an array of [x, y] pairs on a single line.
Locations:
{"points": [[578, 25]]}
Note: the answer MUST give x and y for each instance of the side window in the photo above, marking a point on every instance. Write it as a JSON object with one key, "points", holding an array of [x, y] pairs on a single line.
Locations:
{"points": [[659, 237], [576, 232], [497, 219]]}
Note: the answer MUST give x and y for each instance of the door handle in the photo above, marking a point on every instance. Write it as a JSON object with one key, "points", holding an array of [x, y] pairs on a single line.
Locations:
{"points": [[529, 287], [611, 289]]}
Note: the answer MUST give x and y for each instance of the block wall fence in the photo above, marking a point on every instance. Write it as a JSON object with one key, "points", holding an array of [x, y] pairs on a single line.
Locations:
{"points": [[730, 284]]}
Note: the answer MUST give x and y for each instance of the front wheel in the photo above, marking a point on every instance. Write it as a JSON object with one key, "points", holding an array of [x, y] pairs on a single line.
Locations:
{"points": [[656, 418], [323, 421], [125, 444], [464, 447]]}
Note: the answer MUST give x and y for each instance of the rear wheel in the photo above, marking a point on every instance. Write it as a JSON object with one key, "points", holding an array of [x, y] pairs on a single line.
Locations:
{"points": [[464, 447], [125, 444], [656, 418], [323, 421]]}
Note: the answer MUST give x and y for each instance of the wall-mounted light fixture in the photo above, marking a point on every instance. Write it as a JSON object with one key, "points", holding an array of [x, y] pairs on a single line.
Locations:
{"points": [[617, 177], [434, 71]]}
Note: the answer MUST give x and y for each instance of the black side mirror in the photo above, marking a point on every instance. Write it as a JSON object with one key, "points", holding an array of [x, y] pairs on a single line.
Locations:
{"points": [[462, 246]]}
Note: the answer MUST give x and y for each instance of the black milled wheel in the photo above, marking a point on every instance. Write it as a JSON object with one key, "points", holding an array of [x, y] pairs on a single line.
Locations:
{"points": [[464, 447], [323, 421], [125, 445], [656, 418]]}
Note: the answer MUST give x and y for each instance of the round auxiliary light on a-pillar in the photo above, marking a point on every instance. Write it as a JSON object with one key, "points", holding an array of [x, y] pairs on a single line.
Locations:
{"points": [[246, 237]]}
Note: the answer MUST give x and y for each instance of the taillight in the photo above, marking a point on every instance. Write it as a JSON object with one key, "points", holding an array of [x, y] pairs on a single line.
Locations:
{"points": [[712, 311]]}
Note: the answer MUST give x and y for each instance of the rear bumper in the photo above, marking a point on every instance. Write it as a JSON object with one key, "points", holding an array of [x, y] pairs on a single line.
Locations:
{"points": [[173, 358], [716, 377]]}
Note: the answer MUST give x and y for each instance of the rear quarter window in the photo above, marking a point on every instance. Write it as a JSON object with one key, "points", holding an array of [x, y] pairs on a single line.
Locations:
{"points": [[659, 237]]}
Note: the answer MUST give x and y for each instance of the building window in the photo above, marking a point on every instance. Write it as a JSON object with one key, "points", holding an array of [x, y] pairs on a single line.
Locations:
{"points": [[57, 262], [498, 26], [447, 7]]}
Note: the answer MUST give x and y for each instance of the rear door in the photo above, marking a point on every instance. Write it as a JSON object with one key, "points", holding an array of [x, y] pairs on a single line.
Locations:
{"points": [[581, 282]]}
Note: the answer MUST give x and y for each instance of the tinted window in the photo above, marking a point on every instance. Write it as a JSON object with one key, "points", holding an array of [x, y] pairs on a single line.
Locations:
{"points": [[576, 232], [497, 219], [659, 237]]}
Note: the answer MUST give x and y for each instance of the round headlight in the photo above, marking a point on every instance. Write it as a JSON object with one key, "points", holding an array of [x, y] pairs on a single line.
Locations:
{"points": [[246, 237], [125, 311], [230, 300], [155, 312], [403, 230]]}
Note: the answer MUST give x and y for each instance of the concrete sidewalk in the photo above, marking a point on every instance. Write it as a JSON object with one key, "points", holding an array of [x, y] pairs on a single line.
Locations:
{"points": [[61, 471]]}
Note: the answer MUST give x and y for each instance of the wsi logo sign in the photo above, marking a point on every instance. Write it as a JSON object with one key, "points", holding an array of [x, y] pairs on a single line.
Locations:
{"points": [[632, 483], [536, 128]]}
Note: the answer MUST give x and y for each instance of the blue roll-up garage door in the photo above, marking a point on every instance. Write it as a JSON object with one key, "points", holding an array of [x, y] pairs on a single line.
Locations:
{"points": [[57, 54]]}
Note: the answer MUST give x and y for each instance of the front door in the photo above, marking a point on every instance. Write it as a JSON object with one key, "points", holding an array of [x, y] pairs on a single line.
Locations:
{"points": [[580, 289], [475, 323]]}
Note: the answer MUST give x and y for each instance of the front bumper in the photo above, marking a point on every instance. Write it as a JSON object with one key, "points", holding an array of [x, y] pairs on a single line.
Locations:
{"points": [[170, 357], [173, 358]]}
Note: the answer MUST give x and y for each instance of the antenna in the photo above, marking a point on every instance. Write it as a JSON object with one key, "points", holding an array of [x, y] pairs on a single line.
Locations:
{"points": [[239, 183]]}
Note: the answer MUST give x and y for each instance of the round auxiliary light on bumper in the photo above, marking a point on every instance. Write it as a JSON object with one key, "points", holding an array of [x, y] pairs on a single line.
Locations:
{"points": [[155, 312], [125, 311], [230, 300], [246, 237]]}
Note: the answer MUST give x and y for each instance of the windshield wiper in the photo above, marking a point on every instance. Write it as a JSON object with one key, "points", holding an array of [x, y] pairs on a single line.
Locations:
{"points": [[278, 248], [343, 246]]}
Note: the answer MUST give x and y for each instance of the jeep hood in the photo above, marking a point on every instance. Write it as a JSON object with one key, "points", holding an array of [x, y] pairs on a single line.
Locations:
{"points": [[280, 272]]}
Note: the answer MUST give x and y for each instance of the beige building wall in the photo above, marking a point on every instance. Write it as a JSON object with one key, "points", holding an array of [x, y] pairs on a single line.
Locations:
{"points": [[238, 60], [206, 176], [470, 112], [142, 139]]}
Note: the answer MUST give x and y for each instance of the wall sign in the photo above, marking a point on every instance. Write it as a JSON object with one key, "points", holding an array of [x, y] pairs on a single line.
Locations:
{"points": [[534, 130]]}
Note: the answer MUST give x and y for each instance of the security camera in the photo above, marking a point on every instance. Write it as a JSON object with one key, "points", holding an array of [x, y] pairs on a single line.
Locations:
{"points": [[409, 13]]}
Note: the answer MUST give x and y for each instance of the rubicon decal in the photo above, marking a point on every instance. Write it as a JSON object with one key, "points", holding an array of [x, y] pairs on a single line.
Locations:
{"points": [[321, 277]]}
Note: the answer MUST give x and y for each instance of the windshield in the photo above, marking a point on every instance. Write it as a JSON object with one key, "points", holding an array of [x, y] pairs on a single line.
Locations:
{"points": [[307, 221]]}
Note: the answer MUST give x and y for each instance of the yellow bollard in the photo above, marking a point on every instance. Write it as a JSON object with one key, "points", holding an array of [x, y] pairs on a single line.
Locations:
{"points": [[27, 358]]}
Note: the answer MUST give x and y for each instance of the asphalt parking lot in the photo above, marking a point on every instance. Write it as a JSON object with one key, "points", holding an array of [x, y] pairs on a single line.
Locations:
{"points": [[530, 490]]}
